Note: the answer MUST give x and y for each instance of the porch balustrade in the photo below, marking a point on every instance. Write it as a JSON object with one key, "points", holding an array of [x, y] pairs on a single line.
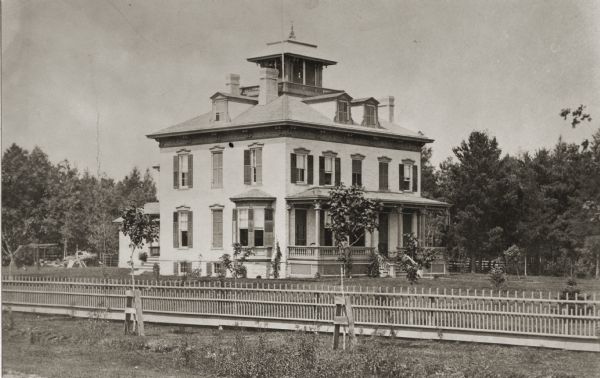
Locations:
{"points": [[321, 252]]}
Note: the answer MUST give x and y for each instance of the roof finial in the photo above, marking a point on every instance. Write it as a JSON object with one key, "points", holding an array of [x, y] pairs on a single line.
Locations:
{"points": [[292, 35]]}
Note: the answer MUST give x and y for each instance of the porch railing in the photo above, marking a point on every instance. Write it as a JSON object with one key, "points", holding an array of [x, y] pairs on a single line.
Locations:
{"points": [[322, 252]]}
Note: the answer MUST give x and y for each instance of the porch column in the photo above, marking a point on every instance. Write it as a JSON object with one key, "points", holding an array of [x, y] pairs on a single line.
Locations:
{"points": [[317, 207], [290, 212], [400, 226]]}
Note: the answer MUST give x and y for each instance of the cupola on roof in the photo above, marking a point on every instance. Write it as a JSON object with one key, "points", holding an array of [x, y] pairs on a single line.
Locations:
{"points": [[292, 48]]}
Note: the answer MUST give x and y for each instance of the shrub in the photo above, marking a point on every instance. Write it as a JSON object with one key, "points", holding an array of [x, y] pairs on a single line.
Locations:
{"points": [[497, 276], [276, 263], [373, 266], [571, 293], [143, 256]]}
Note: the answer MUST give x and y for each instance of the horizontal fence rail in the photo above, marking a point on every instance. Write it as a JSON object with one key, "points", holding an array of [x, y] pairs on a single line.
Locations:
{"points": [[534, 318]]}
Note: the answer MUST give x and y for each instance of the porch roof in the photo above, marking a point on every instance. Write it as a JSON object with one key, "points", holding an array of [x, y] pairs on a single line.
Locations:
{"points": [[322, 193], [252, 194]]}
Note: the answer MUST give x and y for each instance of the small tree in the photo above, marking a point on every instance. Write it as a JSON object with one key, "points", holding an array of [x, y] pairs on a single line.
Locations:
{"points": [[512, 256], [497, 276], [236, 266], [140, 228], [352, 216]]}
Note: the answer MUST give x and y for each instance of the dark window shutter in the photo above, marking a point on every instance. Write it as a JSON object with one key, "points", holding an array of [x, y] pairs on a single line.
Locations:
{"points": [[294, 174], [415, 178], [338, 171], [175, 266], [209, 269], [321, 170], [268, 227], [175, 230], [251, 227], [190, 171], [309, 167], [247, 168], [321, 227], [176, 171], [190, 229], [234, 226], [401, 176]]}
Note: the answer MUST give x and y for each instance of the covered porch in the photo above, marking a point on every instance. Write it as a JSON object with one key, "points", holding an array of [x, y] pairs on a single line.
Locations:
{"points": [[311, 249]]}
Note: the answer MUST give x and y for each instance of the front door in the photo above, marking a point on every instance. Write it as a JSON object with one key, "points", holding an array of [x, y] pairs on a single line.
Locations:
{"points": [[300, 227], [383, 245]]}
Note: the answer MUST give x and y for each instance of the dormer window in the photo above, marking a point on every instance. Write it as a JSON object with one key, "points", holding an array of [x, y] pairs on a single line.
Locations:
{"points": [[343, 111], [220, 110], [370, 115]]}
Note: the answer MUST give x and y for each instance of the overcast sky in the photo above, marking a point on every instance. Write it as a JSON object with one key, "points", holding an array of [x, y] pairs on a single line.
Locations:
{"points": [[138, 66]]}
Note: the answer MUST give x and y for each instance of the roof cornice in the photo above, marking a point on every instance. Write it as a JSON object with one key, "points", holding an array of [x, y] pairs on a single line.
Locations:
{"points": [[360, 130]]}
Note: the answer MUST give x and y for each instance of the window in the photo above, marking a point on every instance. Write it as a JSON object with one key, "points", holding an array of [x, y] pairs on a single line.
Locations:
{"points": [[253, 166], [301, 167], [184, 267], [217, 228], [326, 233], [254, 226], [356, 172], [217, 169], [154, 251], [182, 170], [406, 176], [220, 109], [311, 73], [182, 229], [370, 115], [343, 111], [329, 169], [297, 71], [243, 226], [259, 227], [383, 175]]}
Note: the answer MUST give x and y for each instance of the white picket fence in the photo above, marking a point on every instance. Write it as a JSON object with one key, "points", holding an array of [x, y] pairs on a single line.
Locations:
{"points": [[533, 318]]}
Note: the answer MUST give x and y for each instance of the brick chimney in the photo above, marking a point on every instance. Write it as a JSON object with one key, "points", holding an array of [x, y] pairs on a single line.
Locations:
{"points": [[233, 83], [386, 108], [268, 90]]}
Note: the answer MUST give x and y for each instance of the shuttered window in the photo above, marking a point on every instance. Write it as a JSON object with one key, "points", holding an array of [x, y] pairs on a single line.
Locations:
{"points": [[357, 172], [383, 176], [370, 118], [217, 228], [343, 112], [183, 169], [217, 169], [254, 226], [183, 226], [301, 168], [253, 166]]}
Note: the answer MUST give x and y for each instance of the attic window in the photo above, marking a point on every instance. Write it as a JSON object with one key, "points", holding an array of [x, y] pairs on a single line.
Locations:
{"points": [[220, 109], [370, 115], [343, 111]]}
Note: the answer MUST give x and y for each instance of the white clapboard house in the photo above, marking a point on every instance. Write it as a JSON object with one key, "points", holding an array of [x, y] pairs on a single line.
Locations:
{"points": [[258, 167]]}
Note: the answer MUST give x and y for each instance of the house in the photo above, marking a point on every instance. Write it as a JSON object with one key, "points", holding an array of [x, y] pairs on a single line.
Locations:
{"points": [[258, 167], [152, 250]]}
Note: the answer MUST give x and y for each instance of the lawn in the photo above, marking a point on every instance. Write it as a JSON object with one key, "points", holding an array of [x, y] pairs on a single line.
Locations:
{"points": [[461, 281], [53, 346]]}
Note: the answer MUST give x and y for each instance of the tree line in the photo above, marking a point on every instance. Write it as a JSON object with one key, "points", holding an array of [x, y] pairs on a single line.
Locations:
{"points": [[44, 202], [544, 203]]}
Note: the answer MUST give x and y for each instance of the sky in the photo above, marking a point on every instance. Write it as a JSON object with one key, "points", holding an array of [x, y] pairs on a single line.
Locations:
{"points": [[86, 80]]}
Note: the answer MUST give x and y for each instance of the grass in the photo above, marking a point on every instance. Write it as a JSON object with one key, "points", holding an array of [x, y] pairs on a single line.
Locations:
{"points": [[67, 347], [461, 281]]}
